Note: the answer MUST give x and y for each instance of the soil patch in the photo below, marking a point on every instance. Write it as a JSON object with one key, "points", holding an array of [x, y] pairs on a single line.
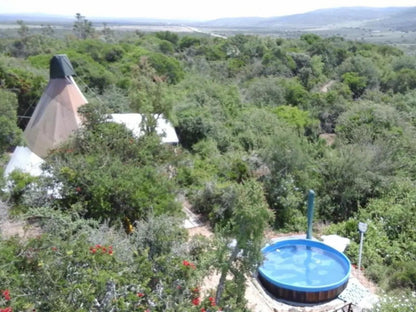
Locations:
{"points": [[10, 228]]}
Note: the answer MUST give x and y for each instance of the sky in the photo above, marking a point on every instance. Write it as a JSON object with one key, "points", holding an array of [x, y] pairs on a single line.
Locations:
{"points": [[185, 9]]}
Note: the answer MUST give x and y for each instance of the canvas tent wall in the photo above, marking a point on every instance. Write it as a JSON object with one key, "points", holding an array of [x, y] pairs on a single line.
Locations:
{"points": [[25, 160], [56, 115]]}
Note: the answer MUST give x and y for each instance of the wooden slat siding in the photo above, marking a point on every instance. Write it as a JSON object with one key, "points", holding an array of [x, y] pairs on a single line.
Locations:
{"points": [[301, 296]]}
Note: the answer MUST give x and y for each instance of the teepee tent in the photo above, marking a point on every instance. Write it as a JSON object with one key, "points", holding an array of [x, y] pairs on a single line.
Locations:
{"points": [[56, 115], [53, 121]]}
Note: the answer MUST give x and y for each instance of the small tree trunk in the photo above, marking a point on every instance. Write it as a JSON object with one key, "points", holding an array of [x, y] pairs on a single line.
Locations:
{"points": [[224, 272]]}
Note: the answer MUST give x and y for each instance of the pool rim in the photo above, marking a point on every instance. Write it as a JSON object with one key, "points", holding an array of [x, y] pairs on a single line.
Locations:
{"points": [[312, 243]]}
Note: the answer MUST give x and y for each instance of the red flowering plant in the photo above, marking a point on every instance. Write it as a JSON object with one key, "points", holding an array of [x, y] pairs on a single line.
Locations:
{"points": [[196, 296], [101, 250], [188, 264], [6, 298], [207, 304], [188, 269], [6, 294], [196, 301], [71, 255]]}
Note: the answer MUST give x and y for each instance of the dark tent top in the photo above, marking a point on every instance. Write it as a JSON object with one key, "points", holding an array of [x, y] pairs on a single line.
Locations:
{"points": [[60, 67]]}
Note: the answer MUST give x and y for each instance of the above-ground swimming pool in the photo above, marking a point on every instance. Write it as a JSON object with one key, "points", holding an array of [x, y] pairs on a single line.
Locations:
{"points": [[304, 271]]}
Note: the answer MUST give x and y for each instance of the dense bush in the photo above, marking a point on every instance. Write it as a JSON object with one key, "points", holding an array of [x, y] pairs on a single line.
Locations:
{"points": [[76, 265], [127, 181], [389, 248], [10, 134]]}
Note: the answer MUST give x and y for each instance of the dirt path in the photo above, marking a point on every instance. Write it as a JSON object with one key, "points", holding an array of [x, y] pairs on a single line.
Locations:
{"points": [[326, 86], [10, 228], [4, 216]]}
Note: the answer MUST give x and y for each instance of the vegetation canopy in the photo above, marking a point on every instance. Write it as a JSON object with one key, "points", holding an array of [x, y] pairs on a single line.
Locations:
{"points": [[260, 119]]}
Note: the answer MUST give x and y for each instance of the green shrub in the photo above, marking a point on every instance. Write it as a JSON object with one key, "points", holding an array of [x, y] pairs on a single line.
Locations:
{"points": [[10, 134], [391, 303], [216, 201], [18, 183], [404, 275]]}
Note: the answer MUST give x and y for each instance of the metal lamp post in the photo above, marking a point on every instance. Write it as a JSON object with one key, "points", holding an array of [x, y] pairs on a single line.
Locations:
{"points": [[311, 199], [362, 227]]}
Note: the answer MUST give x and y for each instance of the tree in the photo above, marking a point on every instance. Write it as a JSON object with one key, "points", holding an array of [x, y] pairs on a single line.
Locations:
{"points": [[10, 134], [148, 92], [368, 123], [295, 93], [310, 38], [404, 80], [249, 220], [82, 27], [168, 36], [47, 30], [25, 84], [296, 117], [363, 67], [187, 41], [355, 82], [265, 91], [352, 176], [20, 46], [107, 33], [23, 30]]}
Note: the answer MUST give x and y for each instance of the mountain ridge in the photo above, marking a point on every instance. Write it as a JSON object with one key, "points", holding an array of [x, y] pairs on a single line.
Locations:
{"points": [[315, 18], [397, 18]]}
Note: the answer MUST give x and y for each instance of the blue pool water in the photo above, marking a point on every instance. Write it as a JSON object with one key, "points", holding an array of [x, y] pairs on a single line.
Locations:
{"points": [[304, 265]]}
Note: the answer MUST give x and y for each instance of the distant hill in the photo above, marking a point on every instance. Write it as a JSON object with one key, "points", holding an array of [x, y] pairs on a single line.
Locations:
{"points": [[41, 18], [318, 18], [389, 18], [36, 18], [402, 21]]}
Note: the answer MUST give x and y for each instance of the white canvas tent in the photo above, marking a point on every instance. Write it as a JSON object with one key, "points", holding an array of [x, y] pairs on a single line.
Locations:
{"points": [[25, 160], [133, 121]]}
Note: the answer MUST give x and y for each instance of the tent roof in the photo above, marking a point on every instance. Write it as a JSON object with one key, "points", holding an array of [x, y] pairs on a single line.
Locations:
{"points": [[132, 122], [60, 67]]}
